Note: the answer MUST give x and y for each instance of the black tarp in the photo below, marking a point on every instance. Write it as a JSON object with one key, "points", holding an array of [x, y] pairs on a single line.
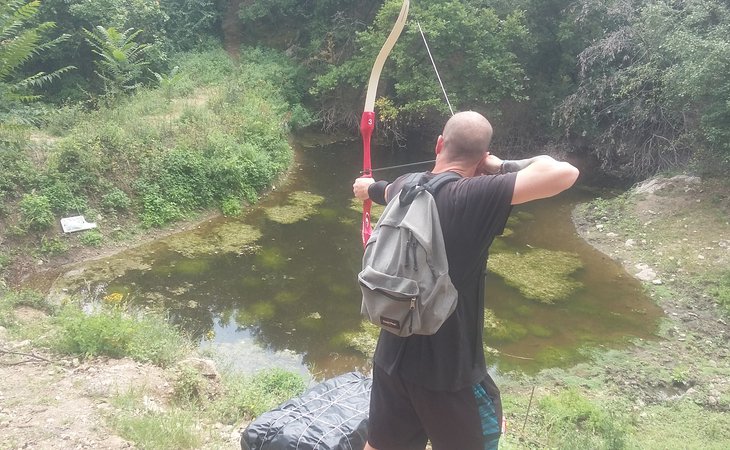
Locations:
{"points": [[332, 415]]}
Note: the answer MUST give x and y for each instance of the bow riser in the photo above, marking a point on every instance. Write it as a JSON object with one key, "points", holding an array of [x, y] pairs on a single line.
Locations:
{"points": [[367, 123]]}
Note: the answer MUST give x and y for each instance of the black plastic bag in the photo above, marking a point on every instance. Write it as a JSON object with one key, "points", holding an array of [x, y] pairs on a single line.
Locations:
{"points": [[332, 415]]}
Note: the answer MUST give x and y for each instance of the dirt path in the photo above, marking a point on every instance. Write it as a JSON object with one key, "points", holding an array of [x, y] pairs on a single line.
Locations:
{"points": [[46, 402]]}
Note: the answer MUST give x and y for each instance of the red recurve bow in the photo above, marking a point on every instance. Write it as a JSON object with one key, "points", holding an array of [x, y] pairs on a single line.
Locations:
{"points": [[367, 123]]}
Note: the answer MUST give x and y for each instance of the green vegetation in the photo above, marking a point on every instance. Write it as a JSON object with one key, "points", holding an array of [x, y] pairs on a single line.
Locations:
{"points": [[248, 397], [150, 162], [174, 428], [301, 206], [116, 333], [22, 38], [573, 421], [138, 415], [130, 113], [539, 274], [231, 237], [719, 289], [364, 340]]}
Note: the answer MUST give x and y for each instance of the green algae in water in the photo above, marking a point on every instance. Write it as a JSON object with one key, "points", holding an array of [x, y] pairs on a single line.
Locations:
{"points": [[191, 266], [340, 290], [301, 206], [542, 275], [520, 216], [230, 237], [501, 330], [376, 210], [255, 313], [286, 297], [363, 340], [539, 330], [271, 259], [551, 356], [312, 322], [329, 214]]}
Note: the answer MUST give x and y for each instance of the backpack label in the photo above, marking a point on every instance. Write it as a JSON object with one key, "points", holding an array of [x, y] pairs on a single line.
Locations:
{"points": [[390, 323]]}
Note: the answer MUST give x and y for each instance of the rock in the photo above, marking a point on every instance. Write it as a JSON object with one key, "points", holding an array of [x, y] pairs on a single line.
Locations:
{"points": [[657, 282], [629, 243], [611, 234], [205, 367], [645, 273], [657, 184]]}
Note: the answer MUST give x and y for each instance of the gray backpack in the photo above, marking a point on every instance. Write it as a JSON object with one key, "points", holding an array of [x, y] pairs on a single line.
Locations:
{"points": [[405, 283]]}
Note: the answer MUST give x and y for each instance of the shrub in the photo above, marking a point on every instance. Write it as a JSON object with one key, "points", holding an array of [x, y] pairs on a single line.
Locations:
{"points": [[35, 212], [251, 396], [52, 246], [115, 333], [158, 211], [91, 238], [116, 200], [231, 206]]}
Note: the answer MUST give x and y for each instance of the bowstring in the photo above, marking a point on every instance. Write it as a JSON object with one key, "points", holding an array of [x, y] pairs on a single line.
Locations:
{"points": [[434, 68]]}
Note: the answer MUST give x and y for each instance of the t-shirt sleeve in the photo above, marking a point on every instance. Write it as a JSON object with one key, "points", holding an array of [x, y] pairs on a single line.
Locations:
{"points": [[490, 200]]}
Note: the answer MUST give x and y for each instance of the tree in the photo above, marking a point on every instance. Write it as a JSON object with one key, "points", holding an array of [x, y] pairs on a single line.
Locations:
{"points": [[19, 42], [121, 59], [654, 88], [473, 47]]}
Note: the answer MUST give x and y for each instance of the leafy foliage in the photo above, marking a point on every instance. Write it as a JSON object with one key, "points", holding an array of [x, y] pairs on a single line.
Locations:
{"points": [[473, 47], [36, 212], [115, 333], [655, 85], [121, 59], [20, 40], [190, 22]]}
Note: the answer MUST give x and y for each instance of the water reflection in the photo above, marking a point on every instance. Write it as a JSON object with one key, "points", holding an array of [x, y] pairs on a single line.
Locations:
{"points": [[277, 287]]}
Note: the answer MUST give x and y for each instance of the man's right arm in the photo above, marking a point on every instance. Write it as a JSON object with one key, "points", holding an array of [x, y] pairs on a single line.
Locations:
{"points": [[366, 188], [543, 177]]}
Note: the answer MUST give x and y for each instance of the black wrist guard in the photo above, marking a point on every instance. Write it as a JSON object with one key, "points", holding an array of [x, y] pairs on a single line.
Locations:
{"points": [[376, 192]]}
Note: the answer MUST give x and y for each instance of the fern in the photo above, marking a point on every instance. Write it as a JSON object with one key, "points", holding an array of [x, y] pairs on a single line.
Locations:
{"points": [[20, 41], [121, 59]]}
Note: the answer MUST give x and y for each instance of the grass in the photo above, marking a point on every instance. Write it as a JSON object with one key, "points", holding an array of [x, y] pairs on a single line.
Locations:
{"points": [[215, 140], [173, 428], [186, 420], [112, 331]]}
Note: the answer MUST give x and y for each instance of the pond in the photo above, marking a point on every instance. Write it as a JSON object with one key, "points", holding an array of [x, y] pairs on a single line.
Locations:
{"points": [[277, 287]]}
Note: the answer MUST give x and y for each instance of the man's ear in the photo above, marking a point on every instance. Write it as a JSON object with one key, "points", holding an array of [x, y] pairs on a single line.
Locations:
{"points": [[439, 145]]}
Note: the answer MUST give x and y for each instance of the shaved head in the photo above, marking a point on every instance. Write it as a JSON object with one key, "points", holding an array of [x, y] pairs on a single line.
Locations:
{"points": [[466, 137]]}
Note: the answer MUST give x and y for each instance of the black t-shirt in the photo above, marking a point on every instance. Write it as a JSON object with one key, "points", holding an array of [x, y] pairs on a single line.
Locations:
{"points": [[472, 212]]}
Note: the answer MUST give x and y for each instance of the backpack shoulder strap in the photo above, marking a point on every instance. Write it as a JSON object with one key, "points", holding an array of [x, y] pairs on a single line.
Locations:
{"points": [[439, 180], [414, 184], [411, 187]]}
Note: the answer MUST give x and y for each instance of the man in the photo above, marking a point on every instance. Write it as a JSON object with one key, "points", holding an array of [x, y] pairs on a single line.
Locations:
{"points": [[436, 387]]}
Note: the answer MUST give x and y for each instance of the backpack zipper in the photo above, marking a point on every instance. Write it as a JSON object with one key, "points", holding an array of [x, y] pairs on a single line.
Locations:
{"points": [[411, 245], [409, 316]]}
